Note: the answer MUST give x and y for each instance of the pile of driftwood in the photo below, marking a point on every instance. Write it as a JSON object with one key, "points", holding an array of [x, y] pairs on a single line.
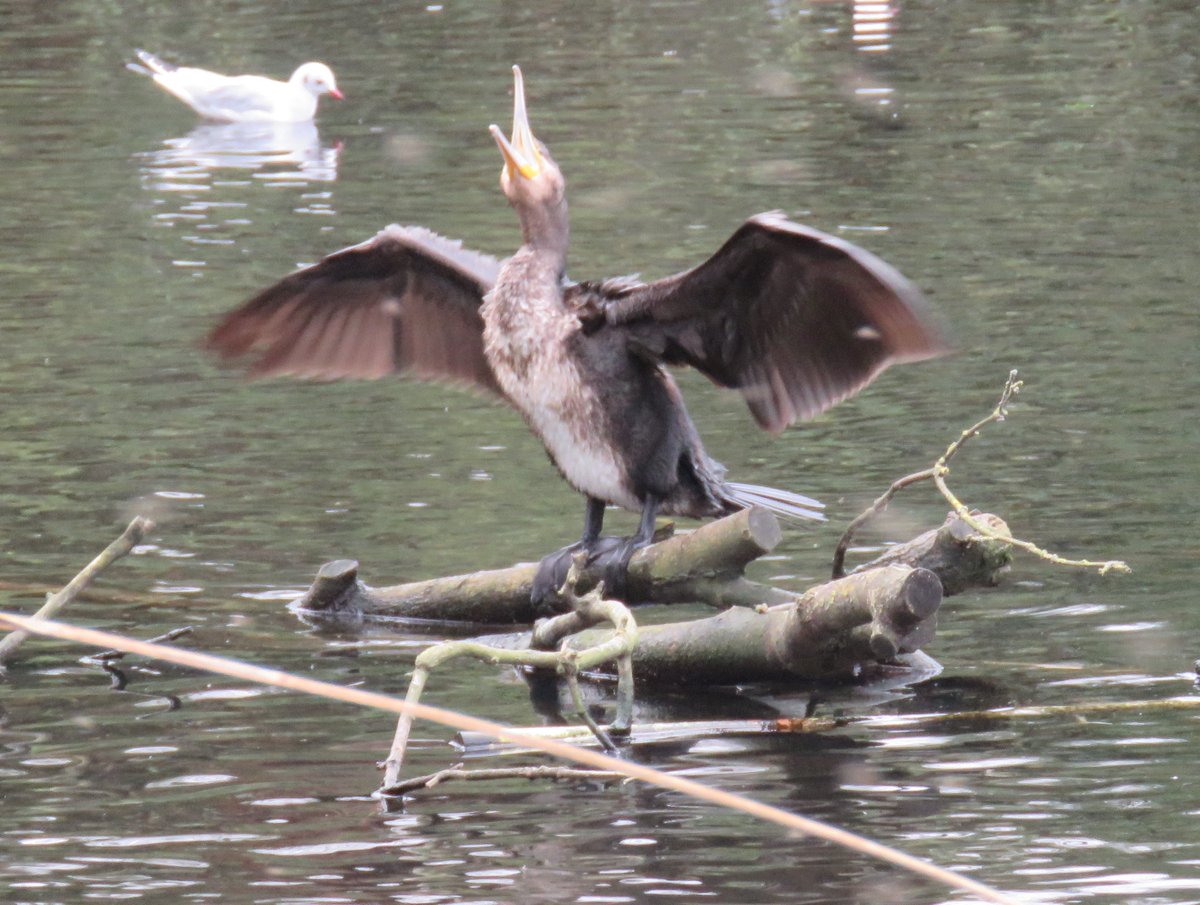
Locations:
{"points": [[884, 608], [841, 629]]}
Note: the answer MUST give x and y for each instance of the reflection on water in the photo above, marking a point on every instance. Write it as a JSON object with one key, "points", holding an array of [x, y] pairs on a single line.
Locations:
{"points": [[873, 25], [208, 182], [272, 151]]}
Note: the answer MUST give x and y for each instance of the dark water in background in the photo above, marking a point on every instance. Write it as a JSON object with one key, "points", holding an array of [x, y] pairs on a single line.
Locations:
{"points": [[1031, 165]]}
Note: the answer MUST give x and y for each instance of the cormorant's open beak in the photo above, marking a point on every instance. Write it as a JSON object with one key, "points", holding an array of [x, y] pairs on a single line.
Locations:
{"points": [[521, 155]]}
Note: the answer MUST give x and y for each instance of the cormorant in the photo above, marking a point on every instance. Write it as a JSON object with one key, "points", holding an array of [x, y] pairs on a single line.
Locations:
{"points": [[793, 318]]}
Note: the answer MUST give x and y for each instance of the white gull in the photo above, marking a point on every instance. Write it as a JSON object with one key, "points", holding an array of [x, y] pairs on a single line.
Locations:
{"points": [[242, 98]]}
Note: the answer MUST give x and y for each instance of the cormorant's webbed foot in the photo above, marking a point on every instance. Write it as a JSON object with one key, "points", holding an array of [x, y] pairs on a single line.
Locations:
{"points": [[549, 577], [552, 570], [611, 555]]}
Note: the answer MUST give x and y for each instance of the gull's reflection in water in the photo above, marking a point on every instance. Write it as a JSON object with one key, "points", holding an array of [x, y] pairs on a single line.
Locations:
{"points": [[274, 151], [221, 177]]}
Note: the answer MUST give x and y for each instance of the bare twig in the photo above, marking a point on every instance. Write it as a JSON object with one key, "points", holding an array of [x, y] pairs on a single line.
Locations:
{"points": [[1012, 386], [109, 656], [541, 771], [1103, 567], [130, 538], [668, 732], [880, 504], [937, 474], [250, 673], [587, 610], [571, 675]]}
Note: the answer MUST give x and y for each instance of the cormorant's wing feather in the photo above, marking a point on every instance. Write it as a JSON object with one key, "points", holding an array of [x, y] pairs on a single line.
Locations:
{"points": [[406, 300], [795, 319]]}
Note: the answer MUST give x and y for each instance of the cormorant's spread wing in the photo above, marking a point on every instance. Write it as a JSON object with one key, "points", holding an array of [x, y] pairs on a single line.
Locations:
{"points": [[795, 319], [405, 301]]}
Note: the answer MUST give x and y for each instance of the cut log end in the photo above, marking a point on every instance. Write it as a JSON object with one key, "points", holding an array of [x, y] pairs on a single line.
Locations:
{"points": [[763, 528], [340, 570], [883, 646], [922, 593], [334, 587]]}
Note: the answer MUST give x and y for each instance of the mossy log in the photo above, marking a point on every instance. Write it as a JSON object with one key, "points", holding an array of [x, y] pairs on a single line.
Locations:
{"points": [[825, 633], [883, 609], [702, 566], [960, 556]]}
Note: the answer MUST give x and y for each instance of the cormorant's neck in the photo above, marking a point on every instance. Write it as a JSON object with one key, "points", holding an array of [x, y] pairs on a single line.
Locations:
{"points": [[546, 230]]}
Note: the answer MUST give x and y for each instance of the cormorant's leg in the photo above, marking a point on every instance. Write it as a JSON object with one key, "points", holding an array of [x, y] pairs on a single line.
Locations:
{"points": [[645, 532], [593, 522], [613, 558], [552, 570]]}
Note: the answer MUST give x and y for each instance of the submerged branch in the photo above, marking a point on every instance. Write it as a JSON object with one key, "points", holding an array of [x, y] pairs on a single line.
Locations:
{"points": [[542, 771], [1035, 712], [112, 656], [658, 733], [130, 538]]}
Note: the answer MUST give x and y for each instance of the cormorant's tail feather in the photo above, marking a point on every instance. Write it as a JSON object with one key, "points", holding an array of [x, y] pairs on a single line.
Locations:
{"points": [[781, 502]]}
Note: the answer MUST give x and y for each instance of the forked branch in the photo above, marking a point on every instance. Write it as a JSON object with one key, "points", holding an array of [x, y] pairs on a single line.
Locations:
{"points": [[937, 474], [586, 610]]}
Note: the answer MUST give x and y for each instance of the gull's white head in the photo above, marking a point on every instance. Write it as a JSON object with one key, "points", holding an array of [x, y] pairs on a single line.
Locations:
{"points": [[316, 79]]}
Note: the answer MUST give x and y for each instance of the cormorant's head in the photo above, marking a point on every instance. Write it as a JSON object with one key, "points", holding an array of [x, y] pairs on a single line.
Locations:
{"points": [[530, 176]]}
